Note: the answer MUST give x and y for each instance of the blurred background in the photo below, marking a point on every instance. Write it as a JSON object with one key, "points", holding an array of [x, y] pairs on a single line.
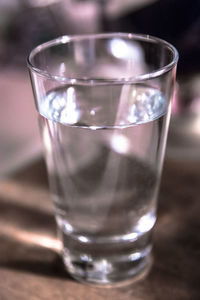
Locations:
{"points": [[27, 23]]}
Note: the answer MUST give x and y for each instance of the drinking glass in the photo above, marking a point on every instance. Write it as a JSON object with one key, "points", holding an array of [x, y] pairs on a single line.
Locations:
{"points": [[103, 105]]}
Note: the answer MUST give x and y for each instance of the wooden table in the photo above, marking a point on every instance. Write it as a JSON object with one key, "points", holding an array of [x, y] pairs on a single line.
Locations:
{"points": [[30, 267]]}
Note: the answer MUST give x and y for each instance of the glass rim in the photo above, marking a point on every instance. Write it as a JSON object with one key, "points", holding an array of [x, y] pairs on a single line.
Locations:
{"points": [[64, 39]]}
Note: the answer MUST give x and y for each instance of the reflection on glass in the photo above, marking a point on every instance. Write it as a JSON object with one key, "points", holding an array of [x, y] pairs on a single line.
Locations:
{"points": [[123, 49]]}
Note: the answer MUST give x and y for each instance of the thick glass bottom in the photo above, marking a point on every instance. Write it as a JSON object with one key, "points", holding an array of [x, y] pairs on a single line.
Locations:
{"points": [[108, 265]]}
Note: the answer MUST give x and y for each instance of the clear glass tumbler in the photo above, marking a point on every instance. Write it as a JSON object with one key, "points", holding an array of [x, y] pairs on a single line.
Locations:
{"points": [[103, 103]]}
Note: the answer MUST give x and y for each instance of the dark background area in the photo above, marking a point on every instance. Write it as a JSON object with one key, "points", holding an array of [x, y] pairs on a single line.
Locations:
{"points": [[177, 21]]}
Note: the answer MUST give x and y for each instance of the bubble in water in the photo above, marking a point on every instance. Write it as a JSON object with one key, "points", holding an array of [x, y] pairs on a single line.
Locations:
{"points": [[146, 104]]}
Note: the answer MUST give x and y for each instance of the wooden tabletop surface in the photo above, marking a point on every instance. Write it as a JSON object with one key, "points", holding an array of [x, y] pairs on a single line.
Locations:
{"points": [[30, 264]]}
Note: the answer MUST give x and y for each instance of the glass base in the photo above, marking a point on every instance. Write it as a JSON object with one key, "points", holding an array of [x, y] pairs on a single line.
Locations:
{"points": [[117, 270]]}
